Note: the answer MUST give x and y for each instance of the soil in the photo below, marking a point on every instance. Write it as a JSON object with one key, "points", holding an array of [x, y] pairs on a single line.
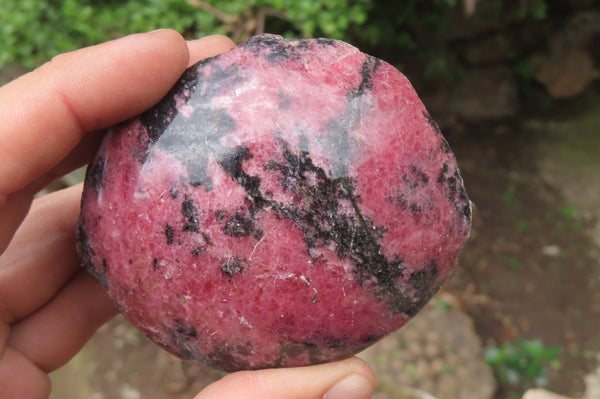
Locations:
{"points": [[531, 269]]}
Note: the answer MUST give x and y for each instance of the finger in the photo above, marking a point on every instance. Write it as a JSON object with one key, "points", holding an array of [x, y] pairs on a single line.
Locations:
{"points": [[56, 332], [19, 378], [42, 256], [81, 91], [208, 46], [350, 379]]}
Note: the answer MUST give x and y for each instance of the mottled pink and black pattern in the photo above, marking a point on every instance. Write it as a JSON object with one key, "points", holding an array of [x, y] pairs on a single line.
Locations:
{"points": [[288, 202]]}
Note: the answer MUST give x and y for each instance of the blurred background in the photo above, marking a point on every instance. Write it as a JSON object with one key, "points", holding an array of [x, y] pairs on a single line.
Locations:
{"points": [[513, 85]]}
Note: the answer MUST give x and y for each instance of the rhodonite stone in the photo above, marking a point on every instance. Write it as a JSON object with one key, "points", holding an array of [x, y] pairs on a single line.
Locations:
{"points": [[289, 202]]}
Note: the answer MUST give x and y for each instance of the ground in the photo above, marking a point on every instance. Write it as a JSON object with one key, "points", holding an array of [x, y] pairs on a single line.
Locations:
{"points": [[531, 269]]}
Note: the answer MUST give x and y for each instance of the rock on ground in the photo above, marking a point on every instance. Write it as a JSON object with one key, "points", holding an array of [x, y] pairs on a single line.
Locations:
{"points": [[542, 394], [437, 352]]}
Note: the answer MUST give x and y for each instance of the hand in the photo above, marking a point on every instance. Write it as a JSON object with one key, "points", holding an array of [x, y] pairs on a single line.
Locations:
{"points": [[51, 124]]}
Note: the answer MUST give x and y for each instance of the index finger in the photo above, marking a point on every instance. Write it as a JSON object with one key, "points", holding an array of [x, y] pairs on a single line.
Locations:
{"points": [[46, 112]]}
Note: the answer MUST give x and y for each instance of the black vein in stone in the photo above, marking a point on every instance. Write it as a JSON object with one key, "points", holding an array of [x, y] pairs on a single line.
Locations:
{"points": [[321, 210], [323, 223], [231, 162], [367, 71], [190, 215], [444, 146], [160, 116], [191, 140], [95, 173]]}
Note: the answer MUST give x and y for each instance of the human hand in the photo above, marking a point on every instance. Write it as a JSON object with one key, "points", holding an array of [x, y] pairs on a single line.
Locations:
{"points": [[51, 124]]}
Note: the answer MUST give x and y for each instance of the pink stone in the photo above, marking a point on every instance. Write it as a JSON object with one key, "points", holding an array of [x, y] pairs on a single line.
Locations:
{"points": [[289, 202]]}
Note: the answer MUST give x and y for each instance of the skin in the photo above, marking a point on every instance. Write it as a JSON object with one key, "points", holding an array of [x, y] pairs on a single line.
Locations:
{"points": [[52, 121]]}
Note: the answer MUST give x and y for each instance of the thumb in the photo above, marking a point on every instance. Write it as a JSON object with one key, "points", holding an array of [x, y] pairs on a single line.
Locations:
{"points": [[349, 379]]}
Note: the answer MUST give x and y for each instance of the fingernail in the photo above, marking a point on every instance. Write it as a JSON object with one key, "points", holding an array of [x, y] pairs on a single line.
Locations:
{"points": [[353, 387]]}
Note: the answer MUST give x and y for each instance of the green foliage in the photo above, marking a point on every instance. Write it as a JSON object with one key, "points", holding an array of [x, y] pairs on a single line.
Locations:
{"points": [[509, 198], [569, 212], [523, 362], [33, 31], [513, 263], [330, 18], [518, 9], [408, 24], [537, 10]]}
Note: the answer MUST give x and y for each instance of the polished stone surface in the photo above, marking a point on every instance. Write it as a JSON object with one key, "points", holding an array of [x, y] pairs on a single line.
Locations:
{"points": [[288, 202]]}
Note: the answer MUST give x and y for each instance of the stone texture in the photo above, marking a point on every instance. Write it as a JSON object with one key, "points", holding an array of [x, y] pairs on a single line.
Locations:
{"points": [[288, 202]]}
